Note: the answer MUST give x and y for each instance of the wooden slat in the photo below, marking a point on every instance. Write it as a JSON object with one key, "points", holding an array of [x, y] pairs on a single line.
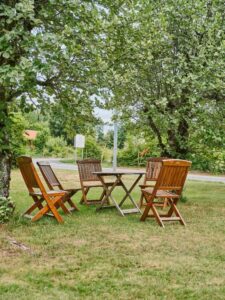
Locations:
{"points": [[87, 167], [130, 211], [106, 206], [28, 216], [153, 168], [94, 201], [170, 218], [48, 174], [119, 172]]}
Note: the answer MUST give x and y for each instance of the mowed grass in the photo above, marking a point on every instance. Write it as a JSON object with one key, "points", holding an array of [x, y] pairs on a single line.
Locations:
{"points": [[105, 256]]}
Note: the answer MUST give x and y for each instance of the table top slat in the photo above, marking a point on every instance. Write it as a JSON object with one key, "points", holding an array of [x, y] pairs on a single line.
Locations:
{"points": [[108, 173]]}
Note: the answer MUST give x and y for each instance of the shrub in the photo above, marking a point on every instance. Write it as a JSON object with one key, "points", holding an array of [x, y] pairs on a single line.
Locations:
{"points": [[57, 147], [128, 157], [92, 149], [134, 146], [208, 160], [107, 155], [40, 142], [6, 209]]}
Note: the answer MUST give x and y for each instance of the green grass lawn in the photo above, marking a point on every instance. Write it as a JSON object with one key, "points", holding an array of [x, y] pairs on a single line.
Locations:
{"points": [[105, 256]]}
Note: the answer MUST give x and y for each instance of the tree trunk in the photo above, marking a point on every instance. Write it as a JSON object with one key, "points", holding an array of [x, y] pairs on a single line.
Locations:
{"points": [[5, 153], [178, 139], [5, 171], [155, 129]]}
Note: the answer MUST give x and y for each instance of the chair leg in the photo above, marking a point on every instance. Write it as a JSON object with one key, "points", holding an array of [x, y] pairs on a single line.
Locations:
{"points": [[177, 213], [145, 213], [157, 216], [64, 208], [141, 200], [62, 205], [50, 206], [68, 198], [165, 204], [102, 196], [84, 197], [171, 209], [37, 204], [72, 204], [148, 206]]}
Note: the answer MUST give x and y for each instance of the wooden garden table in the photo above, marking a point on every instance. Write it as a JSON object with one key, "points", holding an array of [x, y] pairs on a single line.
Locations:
{"points": [[119, 182]]}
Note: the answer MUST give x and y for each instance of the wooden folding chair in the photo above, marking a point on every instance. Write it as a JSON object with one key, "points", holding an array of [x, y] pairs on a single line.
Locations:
{"points": [[45, 201], [53, 182], [88, 180], [169, 185], [153, 167]]}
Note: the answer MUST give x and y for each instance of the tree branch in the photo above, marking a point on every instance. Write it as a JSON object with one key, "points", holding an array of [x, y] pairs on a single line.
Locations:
{"points": [[155, 130]]}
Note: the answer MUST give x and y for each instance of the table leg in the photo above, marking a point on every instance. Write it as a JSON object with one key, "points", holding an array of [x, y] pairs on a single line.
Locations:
{"points": [[108, 194], [116, 205], [128, 192]]}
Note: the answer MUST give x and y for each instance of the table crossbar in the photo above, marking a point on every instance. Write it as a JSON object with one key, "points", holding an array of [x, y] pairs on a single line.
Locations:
{"points": [[108, 192]]}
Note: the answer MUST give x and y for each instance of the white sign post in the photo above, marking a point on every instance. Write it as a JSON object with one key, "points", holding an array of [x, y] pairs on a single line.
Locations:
{"points": [[79, 142], [115, 138]]}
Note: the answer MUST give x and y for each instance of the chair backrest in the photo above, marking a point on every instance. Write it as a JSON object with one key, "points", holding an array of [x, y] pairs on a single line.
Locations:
{"points": [[172, 175], [48, 174], [153, 167], [86, 167], [30, 175]]}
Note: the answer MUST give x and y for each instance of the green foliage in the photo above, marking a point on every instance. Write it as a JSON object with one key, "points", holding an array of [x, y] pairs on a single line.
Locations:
{"points": [[67, 122], [17, 141], [100, 135], [128, 157], [41, 140], [56, 147], [109, 139], [92, 149], [121, 137], [47, 55], [208, 160], [165, 68], [208, 140], [36, 120], [107, 155], [6, 209], [45, 144], [132, 155]]}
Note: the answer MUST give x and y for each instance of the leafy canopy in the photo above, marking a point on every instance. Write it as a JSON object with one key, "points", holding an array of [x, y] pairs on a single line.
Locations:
{"points": [[165, 70]]}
